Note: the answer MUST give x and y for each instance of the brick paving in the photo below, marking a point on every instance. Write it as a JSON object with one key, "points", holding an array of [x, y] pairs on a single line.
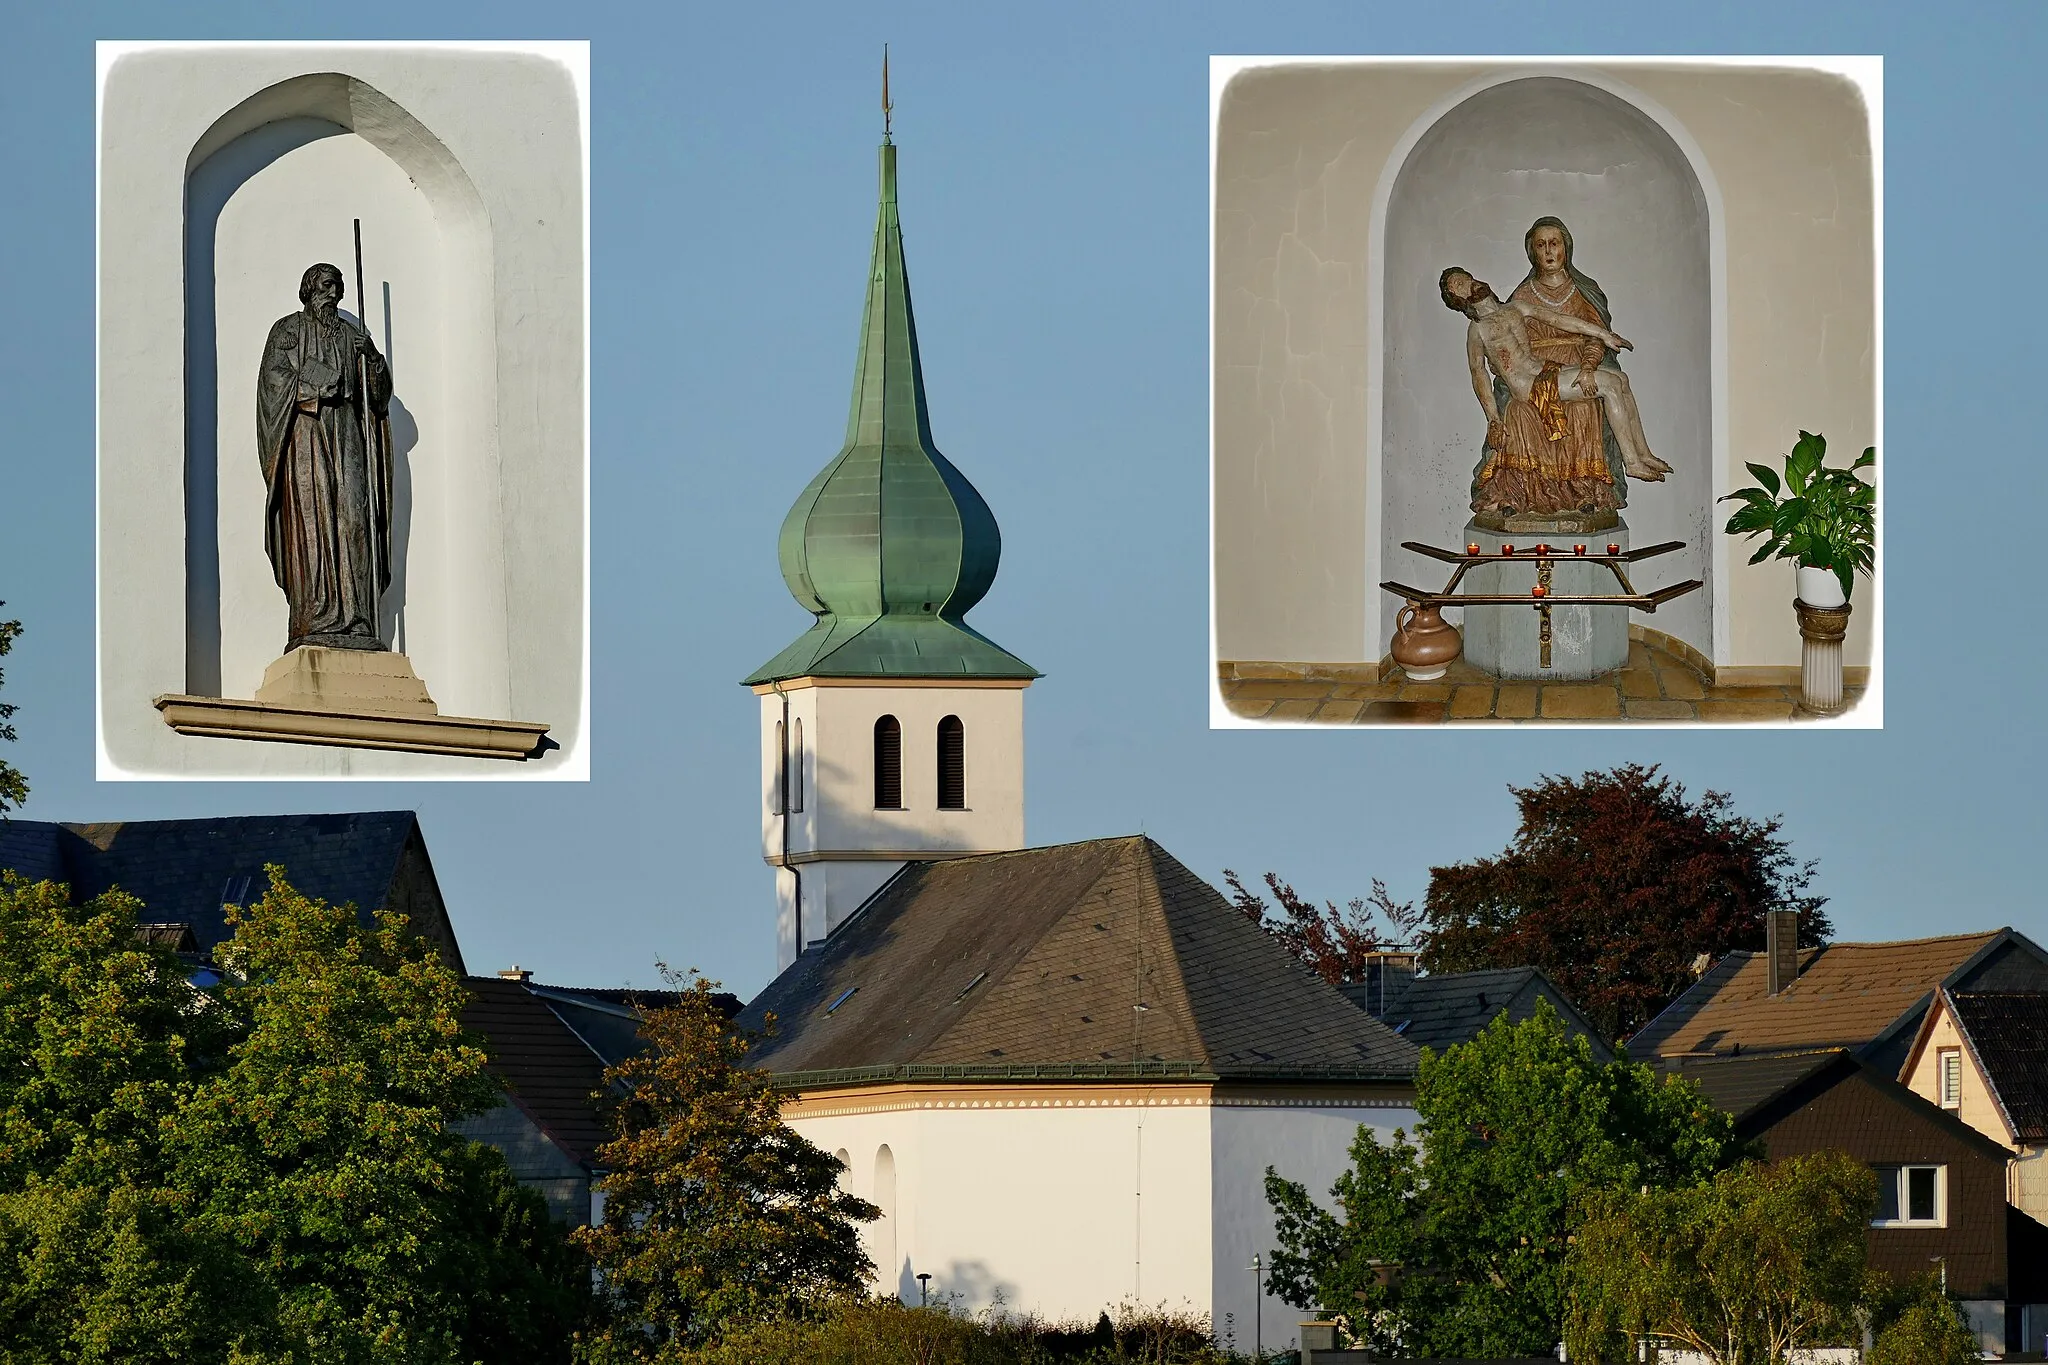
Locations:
{"points": [[1654, 686]]}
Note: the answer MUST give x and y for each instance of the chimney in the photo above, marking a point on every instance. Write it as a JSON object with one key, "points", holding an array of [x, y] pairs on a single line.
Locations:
{"points": [[515, 972], [1387, 978], [1781, 948]]}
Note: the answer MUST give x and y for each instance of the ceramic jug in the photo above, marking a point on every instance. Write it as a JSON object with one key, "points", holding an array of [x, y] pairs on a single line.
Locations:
{"points": [[1424, 643]]}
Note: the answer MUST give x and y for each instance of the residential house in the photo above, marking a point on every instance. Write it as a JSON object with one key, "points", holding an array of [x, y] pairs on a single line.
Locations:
{"points": [[1941, 1184], [1444, 1009], [1983, 1055]]}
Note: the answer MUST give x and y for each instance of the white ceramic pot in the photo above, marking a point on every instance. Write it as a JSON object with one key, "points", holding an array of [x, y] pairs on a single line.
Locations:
{"points": [[1820, 587]]}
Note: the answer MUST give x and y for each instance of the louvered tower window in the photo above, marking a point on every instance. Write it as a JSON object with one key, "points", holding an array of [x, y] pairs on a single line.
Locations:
{"points": [[952, 764], [778, 797], [796, 766], [888, 764]]}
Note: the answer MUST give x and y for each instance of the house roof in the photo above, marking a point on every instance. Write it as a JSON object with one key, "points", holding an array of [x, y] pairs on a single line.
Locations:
{"points": [[1445, 1009], [1847, 995], [185, 871], [1099, 959], [1756, 1090], [2008, 1031], [548, 1071]]}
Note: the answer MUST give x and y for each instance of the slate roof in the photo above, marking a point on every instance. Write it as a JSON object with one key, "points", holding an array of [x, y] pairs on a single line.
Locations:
{"points": [[1758, 1091], [551, 1074], [2008, 1031], [1098, 959], [1442, 1010], [183, 871], [1847, 995]]}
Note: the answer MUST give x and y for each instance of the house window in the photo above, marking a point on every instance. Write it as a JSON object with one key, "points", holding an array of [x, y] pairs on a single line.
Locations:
{"points": [[1911, 1196], [952, 764], [888, 764], [796, 767], [1951, 1078]]}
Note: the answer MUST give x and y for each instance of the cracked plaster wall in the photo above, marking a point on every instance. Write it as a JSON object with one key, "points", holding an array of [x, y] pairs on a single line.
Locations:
{"points": [[1300, 151]]}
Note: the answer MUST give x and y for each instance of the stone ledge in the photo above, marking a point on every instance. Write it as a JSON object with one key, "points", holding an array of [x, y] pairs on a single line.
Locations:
{"points": [[230, 718]]}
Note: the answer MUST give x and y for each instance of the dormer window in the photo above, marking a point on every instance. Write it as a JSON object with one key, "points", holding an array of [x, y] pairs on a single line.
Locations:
{"points": [[952, 764], [888, 764]]}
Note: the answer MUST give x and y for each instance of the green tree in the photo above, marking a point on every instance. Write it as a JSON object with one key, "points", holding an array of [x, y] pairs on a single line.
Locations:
{"points": [[1925, 1328], [1458, 1247], [321, 1151], [1615, 884], [717, 1214], [1762, 1261], [13, 786], [99, 1047]]}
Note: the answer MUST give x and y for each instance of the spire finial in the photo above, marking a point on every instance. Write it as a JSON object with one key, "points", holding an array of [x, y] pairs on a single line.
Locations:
{"points": [[886, 106]]}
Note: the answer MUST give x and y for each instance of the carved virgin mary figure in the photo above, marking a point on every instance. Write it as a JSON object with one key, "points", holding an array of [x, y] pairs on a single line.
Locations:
{"points": [[1558, 459], [322, 428]]}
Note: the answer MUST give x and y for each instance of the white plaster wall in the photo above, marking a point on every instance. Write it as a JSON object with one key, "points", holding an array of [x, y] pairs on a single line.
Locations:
{"points": [[1303, 1141], [494, 139], [1062, 1211], [1300, 153], [2027, 1182], [1465, 195]]}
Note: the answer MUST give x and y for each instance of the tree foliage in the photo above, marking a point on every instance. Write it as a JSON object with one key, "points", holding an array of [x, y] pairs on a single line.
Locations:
{"points": [[1924, 1328], [1336, 943], [1615, 884], [1762, 1261], [13, 786], [256, 1171], [1458, 1247], [717, 1214]]}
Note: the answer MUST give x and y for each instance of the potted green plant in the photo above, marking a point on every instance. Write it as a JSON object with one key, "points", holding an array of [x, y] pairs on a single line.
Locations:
{"points": [[1825, 519]]}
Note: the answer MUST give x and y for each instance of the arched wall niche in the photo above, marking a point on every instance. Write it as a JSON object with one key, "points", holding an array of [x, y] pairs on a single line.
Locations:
{"points": [[888, 1270], [272, 186], [1462, 189]]}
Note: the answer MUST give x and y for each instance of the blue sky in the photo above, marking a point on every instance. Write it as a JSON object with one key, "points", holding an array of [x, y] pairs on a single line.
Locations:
{"points": [[1054, 194]]}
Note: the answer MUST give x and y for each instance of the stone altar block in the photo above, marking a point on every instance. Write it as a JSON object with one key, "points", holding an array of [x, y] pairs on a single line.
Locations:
{"points": [[1585, 642]]}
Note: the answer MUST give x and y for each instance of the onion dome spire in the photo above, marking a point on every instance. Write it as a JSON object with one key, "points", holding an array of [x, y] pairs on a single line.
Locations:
{"points": [[890, 545]]}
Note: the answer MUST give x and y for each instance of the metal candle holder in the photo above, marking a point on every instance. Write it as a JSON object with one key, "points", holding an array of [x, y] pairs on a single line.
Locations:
{"points": [[1542, 601]]}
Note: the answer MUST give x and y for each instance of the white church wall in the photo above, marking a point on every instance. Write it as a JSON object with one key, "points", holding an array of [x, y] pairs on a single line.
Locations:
{"points": [[246, 163], [1304, 1140], [1058, 1201]]}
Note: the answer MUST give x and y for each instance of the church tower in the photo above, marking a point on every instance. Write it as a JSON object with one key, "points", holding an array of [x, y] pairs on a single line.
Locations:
{"points": [[891, 730]]}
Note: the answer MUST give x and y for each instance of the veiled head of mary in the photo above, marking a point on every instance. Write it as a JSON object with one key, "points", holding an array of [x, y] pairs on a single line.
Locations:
{"points": [[1548, 243], [320, 287]]}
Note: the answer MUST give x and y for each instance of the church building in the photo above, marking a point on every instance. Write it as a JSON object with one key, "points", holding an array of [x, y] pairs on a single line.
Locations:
{"points": [[1060, 1072]]}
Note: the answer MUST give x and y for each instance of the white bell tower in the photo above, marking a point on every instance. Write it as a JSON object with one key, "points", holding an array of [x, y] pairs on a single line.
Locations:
{"points": [[891, 730]]}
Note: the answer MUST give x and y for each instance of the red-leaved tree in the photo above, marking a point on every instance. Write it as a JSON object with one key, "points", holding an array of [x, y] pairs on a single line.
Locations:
{"points": [[1616, 884]]}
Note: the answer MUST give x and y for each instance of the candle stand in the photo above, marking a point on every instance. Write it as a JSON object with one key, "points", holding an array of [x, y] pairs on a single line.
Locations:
{"points": [[1541, 598]]}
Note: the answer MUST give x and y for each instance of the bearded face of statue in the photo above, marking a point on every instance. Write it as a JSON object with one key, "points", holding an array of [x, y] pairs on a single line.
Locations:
{"points": [[321, 290]]}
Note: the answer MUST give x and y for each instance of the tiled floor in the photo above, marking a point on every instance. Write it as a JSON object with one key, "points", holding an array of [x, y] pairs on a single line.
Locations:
{"points": [[1655, 686]]}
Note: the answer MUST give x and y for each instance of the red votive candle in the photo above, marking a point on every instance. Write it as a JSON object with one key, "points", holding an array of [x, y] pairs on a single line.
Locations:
{"points": [[1538, 591], [1472, 547], [1612, 548], [1507, 549], [1578, 549], [1543, 549]]}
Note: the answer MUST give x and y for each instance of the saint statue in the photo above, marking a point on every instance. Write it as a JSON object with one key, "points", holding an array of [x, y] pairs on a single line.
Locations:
{"points": [[322, 429], [1557, 453]]}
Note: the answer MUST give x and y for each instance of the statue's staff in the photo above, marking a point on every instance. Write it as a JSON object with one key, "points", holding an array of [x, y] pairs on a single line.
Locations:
{"points": [[373, 493]]}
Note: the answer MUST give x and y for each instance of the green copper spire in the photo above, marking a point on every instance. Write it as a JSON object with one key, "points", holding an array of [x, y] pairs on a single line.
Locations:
{"points": [[890, 545]]}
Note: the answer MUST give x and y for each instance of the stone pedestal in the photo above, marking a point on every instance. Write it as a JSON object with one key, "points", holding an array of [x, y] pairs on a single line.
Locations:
{"points": [[313, 678], [1820, 666], [350, 699], [1585, 642]]}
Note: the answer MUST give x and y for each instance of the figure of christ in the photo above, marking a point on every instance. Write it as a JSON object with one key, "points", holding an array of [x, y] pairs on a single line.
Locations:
{"points": [[1498, 335], [322, 397]]}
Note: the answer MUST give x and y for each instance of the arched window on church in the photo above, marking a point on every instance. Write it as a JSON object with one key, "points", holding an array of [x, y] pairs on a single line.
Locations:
{"points": [[888, 764], [952, 764], [796, 766], [891, 1274], [778, 798]]}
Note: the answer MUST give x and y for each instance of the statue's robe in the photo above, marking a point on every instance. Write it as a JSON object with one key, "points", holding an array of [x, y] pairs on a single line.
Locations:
{"points": [[323, 429], [1558, 455]]}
